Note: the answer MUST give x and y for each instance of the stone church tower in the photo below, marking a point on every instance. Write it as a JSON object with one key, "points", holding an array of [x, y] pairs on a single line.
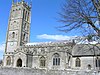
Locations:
{"points": [[18, 32]]}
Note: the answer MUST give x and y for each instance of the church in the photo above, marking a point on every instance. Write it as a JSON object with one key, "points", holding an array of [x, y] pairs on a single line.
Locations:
{"points": [[61, 55]]}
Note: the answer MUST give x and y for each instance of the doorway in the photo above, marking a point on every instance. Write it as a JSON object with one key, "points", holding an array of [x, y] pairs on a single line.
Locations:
{"points": [[19, 63]]}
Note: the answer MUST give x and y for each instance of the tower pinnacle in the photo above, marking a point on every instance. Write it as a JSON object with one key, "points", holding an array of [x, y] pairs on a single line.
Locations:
{"points": [[31, 3], [12, 1], [22, 0]]}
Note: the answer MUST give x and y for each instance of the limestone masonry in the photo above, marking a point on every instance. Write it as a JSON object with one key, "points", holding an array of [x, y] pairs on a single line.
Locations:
{"points": [[44, 58]]}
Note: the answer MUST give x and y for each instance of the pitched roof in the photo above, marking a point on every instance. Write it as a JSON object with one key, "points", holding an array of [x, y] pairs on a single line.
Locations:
{"points": [[86, 49]]}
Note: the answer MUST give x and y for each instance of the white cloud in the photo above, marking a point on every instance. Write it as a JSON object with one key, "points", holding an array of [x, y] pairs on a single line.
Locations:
{"points": [[2, 47], [55, 37]]}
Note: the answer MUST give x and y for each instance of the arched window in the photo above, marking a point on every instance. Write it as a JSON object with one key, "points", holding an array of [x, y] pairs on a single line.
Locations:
{"points": [[56, 59], [24, 14], [42, 61], [89, 66], [24, 37], [97, 62], [8, 60], [78, 62], [13, 35], [24, 26], [28, 17], [19, 63]]}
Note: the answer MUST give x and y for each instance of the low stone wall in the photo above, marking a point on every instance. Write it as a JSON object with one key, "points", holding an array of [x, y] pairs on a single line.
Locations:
{"points": [[27, 71]]}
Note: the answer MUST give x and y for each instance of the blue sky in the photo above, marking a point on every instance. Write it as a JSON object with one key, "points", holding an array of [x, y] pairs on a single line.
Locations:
{"points": [[44, 14]]}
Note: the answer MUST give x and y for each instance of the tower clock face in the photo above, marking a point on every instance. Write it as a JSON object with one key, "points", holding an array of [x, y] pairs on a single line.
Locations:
{"points": [[12, 43]]}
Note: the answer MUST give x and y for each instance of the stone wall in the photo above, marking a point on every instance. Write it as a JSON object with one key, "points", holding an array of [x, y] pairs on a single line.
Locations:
{"points": [[28, 71]]}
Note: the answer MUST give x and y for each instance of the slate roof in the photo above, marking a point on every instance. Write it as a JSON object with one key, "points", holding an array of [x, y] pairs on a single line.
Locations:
{"points": [[86, 50], [54, 43]]}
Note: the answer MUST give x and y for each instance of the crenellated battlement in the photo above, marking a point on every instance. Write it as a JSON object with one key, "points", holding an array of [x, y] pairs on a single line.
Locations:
{"points": [[43, 48], [47, 44], [22, 2]]}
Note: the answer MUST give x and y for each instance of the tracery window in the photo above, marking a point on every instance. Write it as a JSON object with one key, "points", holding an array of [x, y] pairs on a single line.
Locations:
{"points": [[8, 60], [42, 61], [78, 62], [56, 59]]}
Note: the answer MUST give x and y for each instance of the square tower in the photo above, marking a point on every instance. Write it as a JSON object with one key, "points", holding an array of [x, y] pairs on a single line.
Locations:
{"points": [[18, 32]]}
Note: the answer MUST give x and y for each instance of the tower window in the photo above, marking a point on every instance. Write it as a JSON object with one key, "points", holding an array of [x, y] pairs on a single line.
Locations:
{"points": [[78, 62], [13, 35], [42, 61], [8, 60], [56, 59], [25, 26], [23, 13], [26, 15], [26, 39], [23, 37]]}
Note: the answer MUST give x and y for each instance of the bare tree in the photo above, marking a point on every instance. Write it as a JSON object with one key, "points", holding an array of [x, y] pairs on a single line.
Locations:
{"points": [[81, 15]]}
